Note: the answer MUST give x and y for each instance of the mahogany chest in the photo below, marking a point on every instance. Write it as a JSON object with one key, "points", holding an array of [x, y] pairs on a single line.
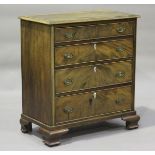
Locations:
{"points": [[77, 69]]}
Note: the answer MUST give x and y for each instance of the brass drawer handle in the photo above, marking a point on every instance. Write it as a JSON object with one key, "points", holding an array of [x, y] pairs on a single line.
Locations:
{"points": [[68, 109], [69, 35], [120, 74], [119, 100], [68, 82], [120, 49], [68, 56], [120, 29]]}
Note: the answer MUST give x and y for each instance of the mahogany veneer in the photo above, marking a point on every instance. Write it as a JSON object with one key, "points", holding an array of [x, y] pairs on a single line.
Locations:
{"points": [[77, 69]]}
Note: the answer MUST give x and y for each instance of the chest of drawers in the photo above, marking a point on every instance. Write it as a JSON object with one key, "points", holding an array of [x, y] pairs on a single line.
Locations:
{"points": [[77, 69]]}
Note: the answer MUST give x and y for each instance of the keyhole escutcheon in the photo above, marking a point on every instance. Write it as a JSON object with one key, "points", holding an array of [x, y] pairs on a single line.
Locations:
{"points": [[95, 69], [94, 95], [94, 46]]}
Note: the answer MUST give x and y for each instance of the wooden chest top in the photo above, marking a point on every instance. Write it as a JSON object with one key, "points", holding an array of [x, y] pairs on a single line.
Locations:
{"points": [[75, 17]]}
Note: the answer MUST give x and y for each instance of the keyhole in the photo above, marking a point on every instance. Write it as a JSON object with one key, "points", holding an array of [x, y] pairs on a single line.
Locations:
{"points": [[90, 101]]}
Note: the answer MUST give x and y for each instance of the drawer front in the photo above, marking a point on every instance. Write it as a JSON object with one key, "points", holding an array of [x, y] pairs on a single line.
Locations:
{"points": [[67, 34], [114, 49], [115, 29], [114, 73], [74, 79], [68, 55], [93, 76], [73, 107], [118, 99], [85, 105], [75, 33]]}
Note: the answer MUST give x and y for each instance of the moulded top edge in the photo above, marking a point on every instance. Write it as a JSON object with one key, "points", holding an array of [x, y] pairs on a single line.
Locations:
{"points": [[75, 17]]}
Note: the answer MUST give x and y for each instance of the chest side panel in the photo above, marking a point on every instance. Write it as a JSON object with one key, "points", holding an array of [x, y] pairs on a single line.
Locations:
{"points": [[36, 71]]}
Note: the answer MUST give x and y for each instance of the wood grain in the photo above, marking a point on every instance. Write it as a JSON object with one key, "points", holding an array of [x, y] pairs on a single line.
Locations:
{"points": [[107, 101], [79, 103], [78, 54], [79, 33], [75, 17], [92, 32], [36, 71], [86, 77], [114, 49], [108, 74], [117, 99], [85, 53], [82, 78], [77, 69], [112, 29]]}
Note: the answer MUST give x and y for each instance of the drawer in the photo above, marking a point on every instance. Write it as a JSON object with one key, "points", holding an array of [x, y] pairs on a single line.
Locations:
{"points": [[73, 107], [75, 33], [84, 53], [66, 34], [114, 49], [92, 76], [87, 105], [115, 29], [114, 100], [68, 55], [113, 73], [74, 79]]}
